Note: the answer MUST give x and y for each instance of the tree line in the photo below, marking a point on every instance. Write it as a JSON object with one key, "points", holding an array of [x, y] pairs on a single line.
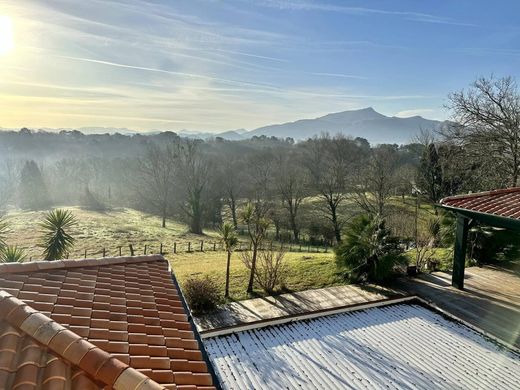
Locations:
{"points": [[312, 187]]}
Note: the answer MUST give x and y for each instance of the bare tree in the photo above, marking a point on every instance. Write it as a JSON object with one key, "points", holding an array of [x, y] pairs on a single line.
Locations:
{"points": [[377, 180], [257, 224], [271, 269], [487, 119], [157, 174], [232, 185], [291, 183], [193, 175], [331, 162]]}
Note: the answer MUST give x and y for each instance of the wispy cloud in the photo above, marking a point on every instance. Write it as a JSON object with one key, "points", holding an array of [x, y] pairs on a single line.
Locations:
{"points": [[304, 5], [340, 75]]}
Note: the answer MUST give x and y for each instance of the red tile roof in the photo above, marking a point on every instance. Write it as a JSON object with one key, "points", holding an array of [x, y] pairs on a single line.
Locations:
{"points": [[503, 203], [94, 324]]}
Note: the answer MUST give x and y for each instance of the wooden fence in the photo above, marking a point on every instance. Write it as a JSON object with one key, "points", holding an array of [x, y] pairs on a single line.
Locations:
{"points": [[189, 247]]}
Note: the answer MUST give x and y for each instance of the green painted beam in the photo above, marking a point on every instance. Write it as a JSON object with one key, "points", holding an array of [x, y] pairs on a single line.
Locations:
{"points": [[459, 257], [487, 219]]}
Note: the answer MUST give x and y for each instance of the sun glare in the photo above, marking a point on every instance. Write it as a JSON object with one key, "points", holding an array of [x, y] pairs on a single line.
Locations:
{"points": [[6, 35]]}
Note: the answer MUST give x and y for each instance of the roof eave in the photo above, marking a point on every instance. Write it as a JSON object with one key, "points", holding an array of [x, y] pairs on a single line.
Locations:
{"points": [[488, 219]]}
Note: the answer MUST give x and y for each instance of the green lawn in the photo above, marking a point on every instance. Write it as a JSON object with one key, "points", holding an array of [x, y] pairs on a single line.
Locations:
{"points": [[305, 270]]}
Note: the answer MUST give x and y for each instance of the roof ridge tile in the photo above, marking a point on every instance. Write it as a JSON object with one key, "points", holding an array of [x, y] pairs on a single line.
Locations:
{"points": [[94, 361], [43, 265]]}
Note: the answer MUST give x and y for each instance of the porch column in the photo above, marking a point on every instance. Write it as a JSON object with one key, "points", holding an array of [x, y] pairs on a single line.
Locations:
{"points": [[459, 257]]}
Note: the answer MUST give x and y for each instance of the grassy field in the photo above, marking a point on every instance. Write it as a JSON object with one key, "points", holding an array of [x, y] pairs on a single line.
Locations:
{"points": [[121, 227], [95, 231], [305, 271]]}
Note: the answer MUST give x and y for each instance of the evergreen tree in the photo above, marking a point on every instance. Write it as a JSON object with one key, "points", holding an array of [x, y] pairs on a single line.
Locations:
{"points": [[430, 173], [33, 191]]}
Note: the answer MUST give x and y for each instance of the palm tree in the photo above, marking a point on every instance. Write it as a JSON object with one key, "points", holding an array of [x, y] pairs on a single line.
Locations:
{"points": [[228, 237], [12, 254], [368, 252], [55, 240]]}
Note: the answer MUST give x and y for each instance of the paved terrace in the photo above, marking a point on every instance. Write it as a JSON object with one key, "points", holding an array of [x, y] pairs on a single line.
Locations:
{"points": [[490, 299], [256, 309]]}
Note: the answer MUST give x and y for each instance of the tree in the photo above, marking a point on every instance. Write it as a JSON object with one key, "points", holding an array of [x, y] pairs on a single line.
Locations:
{"points": [[257, 224], [291, 183], [33, 190], [368, 252], [8, 178], [232, 183], [429, 177], [56, 241], [487, 118], [229, 239], [377, 180], [330, 162], [270, 270], [193, 175], [157, 174]]}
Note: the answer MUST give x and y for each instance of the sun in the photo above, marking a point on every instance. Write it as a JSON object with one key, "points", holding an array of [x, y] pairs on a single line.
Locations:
{"points": [[6, 35]]}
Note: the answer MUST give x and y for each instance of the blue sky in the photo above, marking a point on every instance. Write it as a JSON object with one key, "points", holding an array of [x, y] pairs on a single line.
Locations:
{"points": [[218, 65]]}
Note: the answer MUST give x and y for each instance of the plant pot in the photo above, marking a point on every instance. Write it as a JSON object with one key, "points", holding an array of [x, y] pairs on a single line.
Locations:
{"points": [[411, 270]]}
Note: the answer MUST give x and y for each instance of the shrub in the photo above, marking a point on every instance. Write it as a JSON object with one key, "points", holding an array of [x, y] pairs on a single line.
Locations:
{"points": [[368, 252], [202, 294], [56, 241], [270, 268], [12, 254]]}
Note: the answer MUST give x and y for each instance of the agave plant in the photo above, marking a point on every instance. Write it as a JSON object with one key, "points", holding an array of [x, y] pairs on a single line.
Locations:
{"points": [[3, 230], [12, 254], [56, 241]]}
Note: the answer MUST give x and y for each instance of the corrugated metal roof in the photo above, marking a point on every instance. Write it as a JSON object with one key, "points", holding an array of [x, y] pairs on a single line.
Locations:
{"points": [[404, 346], [503, 203]]}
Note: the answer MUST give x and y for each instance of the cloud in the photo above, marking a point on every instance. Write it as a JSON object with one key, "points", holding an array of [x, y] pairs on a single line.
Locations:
{"points": [[304, 5], [340, 75]]}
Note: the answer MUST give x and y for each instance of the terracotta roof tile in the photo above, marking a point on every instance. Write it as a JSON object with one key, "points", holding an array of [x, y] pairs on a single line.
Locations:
{"points": [[503, 203], [91, 324]]}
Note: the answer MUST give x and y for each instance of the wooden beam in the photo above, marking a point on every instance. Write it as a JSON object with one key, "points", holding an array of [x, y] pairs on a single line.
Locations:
{"points": [[459, 256]]}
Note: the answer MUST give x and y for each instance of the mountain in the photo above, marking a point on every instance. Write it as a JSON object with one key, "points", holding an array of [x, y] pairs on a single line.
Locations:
{"points": [[366, 123], [230, 135]]}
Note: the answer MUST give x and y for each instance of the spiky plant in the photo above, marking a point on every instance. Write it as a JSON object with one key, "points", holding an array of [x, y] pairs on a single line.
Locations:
{"points": [[3, 231], [229, 238], [12, 254], [56, 241]]}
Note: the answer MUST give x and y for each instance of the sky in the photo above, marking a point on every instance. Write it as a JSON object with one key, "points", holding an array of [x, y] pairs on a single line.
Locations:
{"points": [[211, 65]]}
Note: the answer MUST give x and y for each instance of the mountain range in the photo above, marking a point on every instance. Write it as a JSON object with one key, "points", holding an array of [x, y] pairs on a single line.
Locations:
{"points": [[365, 123]]}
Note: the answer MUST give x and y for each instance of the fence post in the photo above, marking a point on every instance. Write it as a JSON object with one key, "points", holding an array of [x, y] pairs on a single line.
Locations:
{"points": [[131, 249], [174, 247], [120, 251], [104, 252], [214, 246], [85, 253], [189, 246], [145, 248], [202, 245], [160, 249]]}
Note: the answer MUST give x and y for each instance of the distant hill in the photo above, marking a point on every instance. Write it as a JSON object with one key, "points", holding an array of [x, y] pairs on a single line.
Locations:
{"points": [[366, 123]]}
